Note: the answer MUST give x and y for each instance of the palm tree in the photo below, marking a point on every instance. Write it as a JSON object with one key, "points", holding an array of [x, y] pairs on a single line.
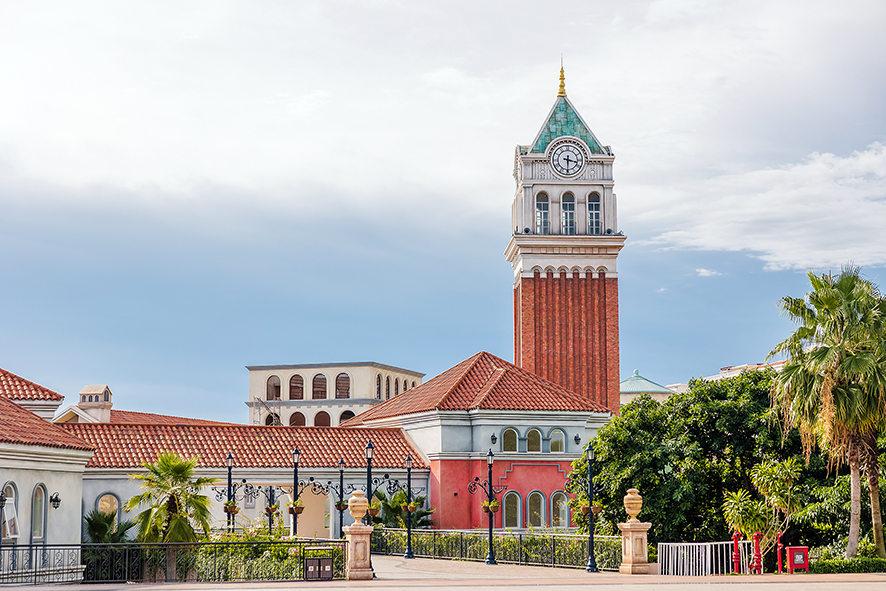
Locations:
{"points": [[832, 385], [102, 528], [393, 515], [174, 504]]}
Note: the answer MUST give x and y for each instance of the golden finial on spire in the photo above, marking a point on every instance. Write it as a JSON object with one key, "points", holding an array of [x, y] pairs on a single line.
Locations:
{"points": [[562, 91]]}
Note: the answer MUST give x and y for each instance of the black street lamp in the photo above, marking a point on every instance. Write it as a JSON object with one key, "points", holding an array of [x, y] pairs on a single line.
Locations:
{"points": [[296, 455], [408, 508], [370, 449], [229, 462], [490, 489], [341, 496], [592, 488]]}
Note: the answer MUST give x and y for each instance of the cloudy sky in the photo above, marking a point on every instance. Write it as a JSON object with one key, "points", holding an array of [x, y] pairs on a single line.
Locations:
{"points": [[189, 188]]}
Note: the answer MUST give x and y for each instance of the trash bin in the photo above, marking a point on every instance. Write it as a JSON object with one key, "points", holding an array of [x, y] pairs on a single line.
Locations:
{"points": [[318, 568]]}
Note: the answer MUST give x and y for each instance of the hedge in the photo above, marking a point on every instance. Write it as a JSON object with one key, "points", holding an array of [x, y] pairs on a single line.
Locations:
{"points": [[850, 565]]}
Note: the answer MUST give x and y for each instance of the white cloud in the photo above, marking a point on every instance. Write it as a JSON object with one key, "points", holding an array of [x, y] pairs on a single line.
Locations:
{"points": [[823, 212], [707, 273]]}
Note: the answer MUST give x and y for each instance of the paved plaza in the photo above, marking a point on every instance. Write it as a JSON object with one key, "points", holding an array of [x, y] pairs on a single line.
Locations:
{"points": [[396, 573]]}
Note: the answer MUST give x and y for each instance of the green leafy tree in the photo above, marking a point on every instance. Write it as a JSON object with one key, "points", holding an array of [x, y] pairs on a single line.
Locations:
{"points": [[832, 385], [172, 495], [392, 513], [101, 527], [685, 454]]}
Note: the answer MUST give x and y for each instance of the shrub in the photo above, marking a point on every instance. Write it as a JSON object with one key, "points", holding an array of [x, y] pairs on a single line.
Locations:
{"points": [[850, 565]]}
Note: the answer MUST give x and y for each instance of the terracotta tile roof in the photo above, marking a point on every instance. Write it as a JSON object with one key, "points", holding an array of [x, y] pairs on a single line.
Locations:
{"points": [[483, 381], [14, 387], [148, 418], [18, 425], [253, 446]]}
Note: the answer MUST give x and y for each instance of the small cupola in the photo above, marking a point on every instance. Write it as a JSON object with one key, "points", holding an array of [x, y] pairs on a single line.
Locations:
{"points": [[97, 402]]}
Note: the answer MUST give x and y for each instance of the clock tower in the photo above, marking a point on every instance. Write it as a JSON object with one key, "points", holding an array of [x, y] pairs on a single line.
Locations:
{"points": [[563, 250]]}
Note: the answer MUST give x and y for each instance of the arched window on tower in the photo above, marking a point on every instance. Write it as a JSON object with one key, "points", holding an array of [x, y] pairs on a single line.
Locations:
{"points": [[558, 441], [595, 221], [319, 387], [568, 208], [342, 386], [559, 510], [533, 440], [296, 419], [509, 440], [272, 419], [511, 514], [378, 386], [396, 386], [348, 414], [542, 214], [273, 388], [387, 388], [413, 384], [321, 419], [535, 516], [296, 387]]}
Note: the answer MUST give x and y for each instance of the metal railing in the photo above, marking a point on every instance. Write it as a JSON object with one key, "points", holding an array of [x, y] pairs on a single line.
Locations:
{"points": [[153, 563], [700, 559], [537, 549]]}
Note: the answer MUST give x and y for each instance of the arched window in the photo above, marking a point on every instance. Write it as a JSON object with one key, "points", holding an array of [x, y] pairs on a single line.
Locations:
{"points": [[107, 396], [567, 206], [342, 386], [38, 515], [83, 398], [413, 384], [509, 440], [10, 517], [542, 217], [533, 440], [396, 386], [535, 516], [378, 386], [387, 388], [405, 386], [90, 398], [273, 388], [348, 414], [296, 387], [595, 223], [511, 510], [558, 441], [319, 387], [559, 510], [272, 419], [321, 419], [108, 503], [296, 419]]}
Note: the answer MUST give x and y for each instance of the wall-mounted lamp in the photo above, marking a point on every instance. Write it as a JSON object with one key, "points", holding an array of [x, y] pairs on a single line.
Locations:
{"points": [[55, 500], [493, 439], [577, 439]]}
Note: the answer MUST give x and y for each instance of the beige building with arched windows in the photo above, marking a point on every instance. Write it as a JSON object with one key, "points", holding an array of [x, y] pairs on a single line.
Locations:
{"points": [[322, 394]]}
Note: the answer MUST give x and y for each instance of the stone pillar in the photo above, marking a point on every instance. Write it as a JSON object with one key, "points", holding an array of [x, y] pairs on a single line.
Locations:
{"points": [[634, 557], [358, 566]]}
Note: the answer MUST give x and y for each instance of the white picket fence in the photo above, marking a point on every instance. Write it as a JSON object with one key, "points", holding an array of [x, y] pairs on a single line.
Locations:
{"points": [[699, 559]]}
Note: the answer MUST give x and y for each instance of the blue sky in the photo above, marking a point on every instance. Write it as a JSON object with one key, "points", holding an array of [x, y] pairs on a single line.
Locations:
{"points": [[186, 190]]}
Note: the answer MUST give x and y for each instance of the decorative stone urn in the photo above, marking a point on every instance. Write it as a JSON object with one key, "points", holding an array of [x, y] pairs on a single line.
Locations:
{"points": [[633, 504], [358, 566], [358, 505]]}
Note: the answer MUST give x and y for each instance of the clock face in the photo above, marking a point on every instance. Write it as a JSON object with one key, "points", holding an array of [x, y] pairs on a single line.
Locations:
{"points": [[567, 159]]}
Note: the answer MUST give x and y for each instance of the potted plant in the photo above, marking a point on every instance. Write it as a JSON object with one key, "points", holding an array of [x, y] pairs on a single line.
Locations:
{"points": [[341, 505], [485, 506], [596, 509], [296, 507], [494, 505], [411, 507], [271, 509], [231, 507], [585, 509], [374, 508]]}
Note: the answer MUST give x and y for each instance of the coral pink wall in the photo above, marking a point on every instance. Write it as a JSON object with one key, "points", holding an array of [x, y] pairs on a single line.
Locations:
{"points": [[458, 509]]}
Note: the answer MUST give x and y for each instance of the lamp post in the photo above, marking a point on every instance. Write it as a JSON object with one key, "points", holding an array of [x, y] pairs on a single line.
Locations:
{"points": [[592, 561], [490, 489], [370, 449], [408, 510], [341, 496], [296, 455], [229, 462]]}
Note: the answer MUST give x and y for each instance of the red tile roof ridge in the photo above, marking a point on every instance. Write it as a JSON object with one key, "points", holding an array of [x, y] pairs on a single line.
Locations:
{"points": [[469, 364], [134, 417], [5, 375], [491, 382]]}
